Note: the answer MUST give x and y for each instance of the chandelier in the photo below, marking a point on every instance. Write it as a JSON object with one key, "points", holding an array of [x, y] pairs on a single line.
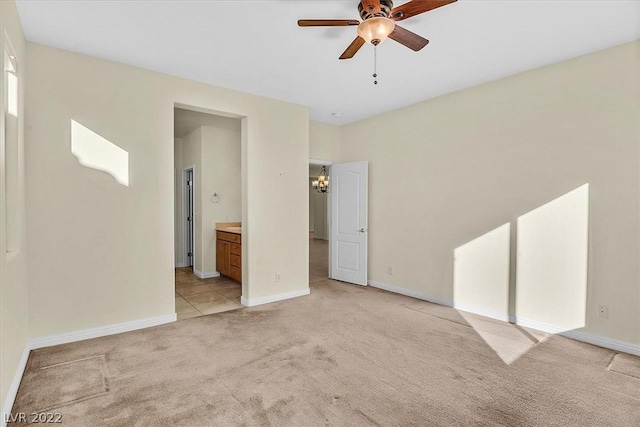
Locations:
{"points": [[321, 185]]}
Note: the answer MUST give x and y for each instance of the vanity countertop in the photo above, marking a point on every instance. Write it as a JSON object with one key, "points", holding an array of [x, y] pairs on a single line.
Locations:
{"points": [[229, 227]]}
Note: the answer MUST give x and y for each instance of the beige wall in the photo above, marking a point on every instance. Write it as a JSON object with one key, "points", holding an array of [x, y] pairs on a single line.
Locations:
{"points": [[13, 264], [324, 141], [222, 172], [104, 252], [448, 170]]}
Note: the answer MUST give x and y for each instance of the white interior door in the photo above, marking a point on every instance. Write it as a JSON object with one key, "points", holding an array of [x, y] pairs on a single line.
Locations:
{"points": [[349, 205]]}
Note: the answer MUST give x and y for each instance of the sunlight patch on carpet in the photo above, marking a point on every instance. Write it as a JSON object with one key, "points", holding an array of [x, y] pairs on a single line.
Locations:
{"points": [[507, 340]]}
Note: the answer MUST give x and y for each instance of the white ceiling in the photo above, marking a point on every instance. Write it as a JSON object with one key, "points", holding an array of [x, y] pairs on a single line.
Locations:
{"points": [[257, 47], [186, 121]]}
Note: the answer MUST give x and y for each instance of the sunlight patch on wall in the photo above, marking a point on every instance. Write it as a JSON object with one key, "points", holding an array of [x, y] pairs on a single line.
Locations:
{"points": [[551, 275], [550, 290], [11, 69], [481, 273], [481, 285], [96, 152], [12, 94]]}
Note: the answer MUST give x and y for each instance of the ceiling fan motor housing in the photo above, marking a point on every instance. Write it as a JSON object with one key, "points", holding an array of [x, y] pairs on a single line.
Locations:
{"points": [[385, 10]]}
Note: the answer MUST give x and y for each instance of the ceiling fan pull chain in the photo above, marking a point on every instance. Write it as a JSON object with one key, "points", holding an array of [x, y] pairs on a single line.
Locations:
{"points": [[375, 65]]}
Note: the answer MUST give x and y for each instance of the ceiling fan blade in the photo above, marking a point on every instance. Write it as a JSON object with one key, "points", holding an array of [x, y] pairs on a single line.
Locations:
{"points": [[407, 38], [416, 7], [353, 48], [327, 22], [371, 6]]}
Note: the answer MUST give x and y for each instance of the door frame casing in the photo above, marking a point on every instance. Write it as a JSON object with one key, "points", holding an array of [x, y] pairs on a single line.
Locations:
{"points": [[185, 226]]}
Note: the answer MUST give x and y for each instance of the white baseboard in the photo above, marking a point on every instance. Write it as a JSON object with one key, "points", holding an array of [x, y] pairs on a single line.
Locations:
{"points": [[100, 331], [13, 388], [180, 265], [410, 293], [252, 302], [206, 274], [493, 314], [600, 341], [577, 335], [534, 324]]}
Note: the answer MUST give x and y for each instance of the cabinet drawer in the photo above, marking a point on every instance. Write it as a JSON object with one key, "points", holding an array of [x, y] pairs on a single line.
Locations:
{"points": [[229, 237], [236, 249], [235, 260], [235, 273]]}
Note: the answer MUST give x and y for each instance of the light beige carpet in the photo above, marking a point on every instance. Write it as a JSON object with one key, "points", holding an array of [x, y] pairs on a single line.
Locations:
{"points": [[344, 356], [626, 364]]}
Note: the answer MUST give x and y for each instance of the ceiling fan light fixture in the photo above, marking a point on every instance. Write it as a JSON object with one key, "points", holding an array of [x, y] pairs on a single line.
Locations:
{"points": [[376, 30]]}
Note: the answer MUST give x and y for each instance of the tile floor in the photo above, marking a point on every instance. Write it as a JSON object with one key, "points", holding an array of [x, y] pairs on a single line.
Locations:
{"points": [[197, 297]]}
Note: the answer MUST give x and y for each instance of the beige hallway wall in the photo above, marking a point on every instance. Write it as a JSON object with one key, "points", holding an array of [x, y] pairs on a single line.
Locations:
{"points": [[311, 205], [104, 252], [320, 219], [448, 170]]}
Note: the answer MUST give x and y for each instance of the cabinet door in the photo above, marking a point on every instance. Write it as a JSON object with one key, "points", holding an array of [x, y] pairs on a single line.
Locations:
{"points": [[222, 257], [235, 273]]}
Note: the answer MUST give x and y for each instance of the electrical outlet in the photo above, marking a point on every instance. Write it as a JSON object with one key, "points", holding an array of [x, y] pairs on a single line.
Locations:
{"points": [[277, 277], [603, 311], [390, 271]]}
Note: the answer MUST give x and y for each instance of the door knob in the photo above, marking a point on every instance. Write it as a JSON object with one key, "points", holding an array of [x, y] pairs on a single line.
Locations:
{"points": [[362, 230]]}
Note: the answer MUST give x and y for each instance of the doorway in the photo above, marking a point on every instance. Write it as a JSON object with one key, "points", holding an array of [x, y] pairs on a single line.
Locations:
{"points": [[208, 197], [319, 215], [338, 222]]}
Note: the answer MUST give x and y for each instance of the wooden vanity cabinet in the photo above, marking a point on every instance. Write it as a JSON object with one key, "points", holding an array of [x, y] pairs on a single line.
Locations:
{"points": [[222, 257], [229, 255]]}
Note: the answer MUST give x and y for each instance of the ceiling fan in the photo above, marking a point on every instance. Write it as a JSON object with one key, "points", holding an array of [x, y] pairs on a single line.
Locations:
{"points": [[379, 19]]}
